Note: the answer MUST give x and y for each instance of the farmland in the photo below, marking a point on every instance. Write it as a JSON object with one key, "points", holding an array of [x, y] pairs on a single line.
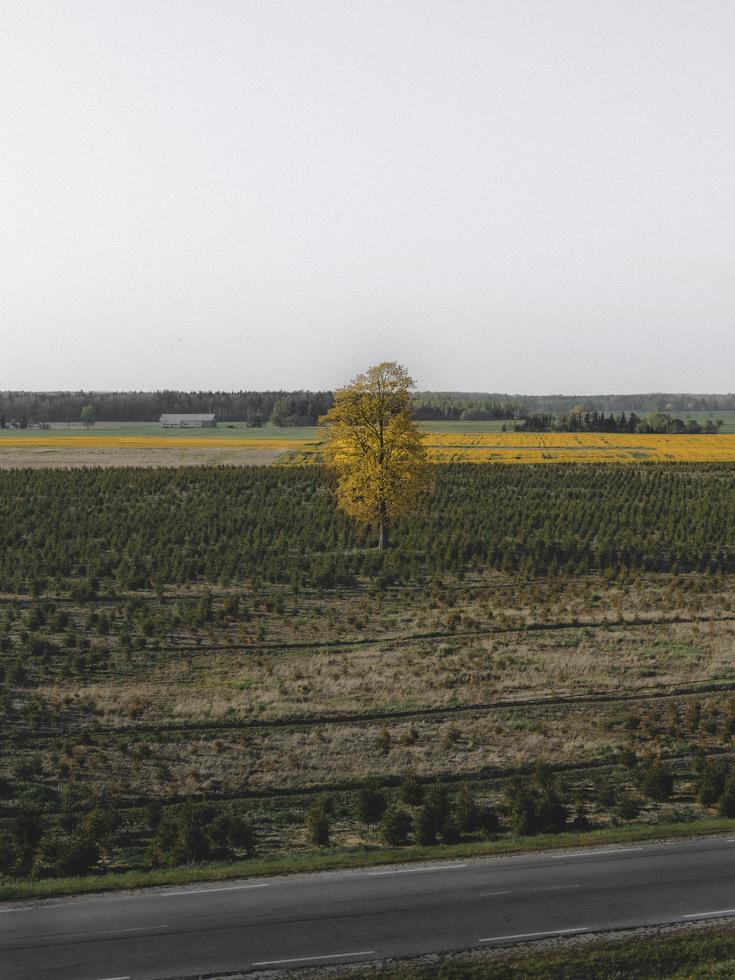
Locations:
{"points": [[147, 444], [237, 445], [224, 639]]}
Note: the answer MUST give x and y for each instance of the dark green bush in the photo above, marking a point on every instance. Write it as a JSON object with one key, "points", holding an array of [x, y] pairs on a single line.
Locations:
{"points": [[726, 802], [656, 782], [424, 827], [628, 806], [197, 832], [411, 791], [58, 856], [395, 826], [711, 781], [370, 805], [318, 820]]}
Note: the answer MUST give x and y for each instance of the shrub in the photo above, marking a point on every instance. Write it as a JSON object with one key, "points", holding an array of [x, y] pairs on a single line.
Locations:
{"points": [[523, 813], [467, 812], [438, 804], [657, 782], [487, 821], [318, 822], [449, 832], [78, 855], [424, 827], [10, 854], [536, 810], [46, 859], [726, 802], [98, 824], [198, 832], [551, 814], [57, 856], [628, 806], [370, 805], [581, 821], [181, 837], [241, 834], [411, 792], [395, 826], [384, 741], [711, 782], [230, 831], [606, 790]]}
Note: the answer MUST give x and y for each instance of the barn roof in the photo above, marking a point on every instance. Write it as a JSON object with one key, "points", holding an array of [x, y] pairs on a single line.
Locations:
{"points": [[187, 418]]}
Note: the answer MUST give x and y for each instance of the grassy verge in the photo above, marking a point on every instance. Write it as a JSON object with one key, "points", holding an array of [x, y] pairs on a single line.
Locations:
{"points": [[336, 859], [703, 955]]}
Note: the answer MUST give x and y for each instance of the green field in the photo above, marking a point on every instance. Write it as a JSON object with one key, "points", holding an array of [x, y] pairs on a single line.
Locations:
{"points": [[727, 418], [229, 430], [241, 430]]}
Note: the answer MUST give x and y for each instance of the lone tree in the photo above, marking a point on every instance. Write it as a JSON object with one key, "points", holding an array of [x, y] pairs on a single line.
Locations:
{"points": [[375, 447], [88, 415]]}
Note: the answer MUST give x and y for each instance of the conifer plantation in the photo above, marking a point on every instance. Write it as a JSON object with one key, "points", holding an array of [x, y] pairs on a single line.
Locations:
{"points": [[217, 664]]}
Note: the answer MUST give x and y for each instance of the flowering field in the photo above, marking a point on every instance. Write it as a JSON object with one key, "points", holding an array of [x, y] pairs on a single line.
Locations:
{"points": [[560, 447], [106, 449], [531, 447]]}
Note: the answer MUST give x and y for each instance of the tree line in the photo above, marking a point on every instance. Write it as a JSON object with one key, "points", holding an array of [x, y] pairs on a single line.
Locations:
{"points": [[429, 406], [653, 423], [37, 842], [24, 408]]}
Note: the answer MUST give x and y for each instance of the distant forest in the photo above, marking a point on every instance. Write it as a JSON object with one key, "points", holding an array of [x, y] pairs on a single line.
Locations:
{"points": [[254, 407], [298, 408]]}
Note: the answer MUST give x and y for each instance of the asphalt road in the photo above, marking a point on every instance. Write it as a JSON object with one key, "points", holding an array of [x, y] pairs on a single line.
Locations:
{"points": [[325, 918]]}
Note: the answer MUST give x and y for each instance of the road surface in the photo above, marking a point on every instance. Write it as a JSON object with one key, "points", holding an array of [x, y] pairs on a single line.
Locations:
{"points": [[325, 918]]}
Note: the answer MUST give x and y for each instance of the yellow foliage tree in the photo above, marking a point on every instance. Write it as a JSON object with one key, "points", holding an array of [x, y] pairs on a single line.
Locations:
{"points": [[375, 447]]}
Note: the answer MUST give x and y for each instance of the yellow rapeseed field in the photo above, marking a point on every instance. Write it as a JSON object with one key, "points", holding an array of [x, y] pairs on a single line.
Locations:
{"points": [[560, 447], [445, 447], [554, 447]]}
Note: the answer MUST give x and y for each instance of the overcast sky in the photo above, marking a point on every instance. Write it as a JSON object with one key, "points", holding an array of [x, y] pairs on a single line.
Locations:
{"points": [[526, 196]]}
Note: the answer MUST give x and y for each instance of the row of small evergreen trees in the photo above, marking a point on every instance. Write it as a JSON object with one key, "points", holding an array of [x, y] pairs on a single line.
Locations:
{"points": [[661, 423]]}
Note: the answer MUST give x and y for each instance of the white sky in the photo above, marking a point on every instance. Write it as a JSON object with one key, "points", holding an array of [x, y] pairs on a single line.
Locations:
{"points": [[526, 196]]}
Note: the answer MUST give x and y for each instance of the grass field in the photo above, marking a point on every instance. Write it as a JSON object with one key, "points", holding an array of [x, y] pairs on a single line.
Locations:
{"points": [[727, 419], [236, 430], [319, 692]]}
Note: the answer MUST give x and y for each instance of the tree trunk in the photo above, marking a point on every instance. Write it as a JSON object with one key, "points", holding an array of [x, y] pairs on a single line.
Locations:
{"points": [[383, 541]]}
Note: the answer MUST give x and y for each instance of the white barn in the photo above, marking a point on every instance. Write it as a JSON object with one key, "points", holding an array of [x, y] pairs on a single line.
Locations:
{"points": [[208, 421]]}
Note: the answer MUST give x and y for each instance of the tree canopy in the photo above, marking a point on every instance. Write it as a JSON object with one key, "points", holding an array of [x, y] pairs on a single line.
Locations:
{"points": [[88, 415], [375, 447]]}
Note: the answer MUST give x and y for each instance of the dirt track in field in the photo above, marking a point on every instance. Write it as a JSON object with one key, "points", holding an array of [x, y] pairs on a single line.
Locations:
{"points": [[44, 457]]}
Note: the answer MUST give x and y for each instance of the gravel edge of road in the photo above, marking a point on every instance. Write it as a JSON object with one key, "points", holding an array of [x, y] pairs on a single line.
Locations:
{"points": [[387, 966]]}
